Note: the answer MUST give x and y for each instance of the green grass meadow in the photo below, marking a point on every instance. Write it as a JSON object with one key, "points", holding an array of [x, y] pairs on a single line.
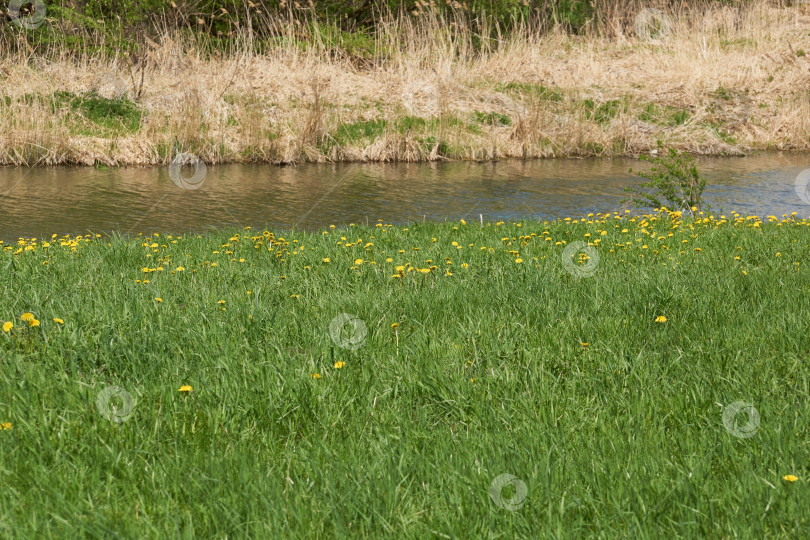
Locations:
{"points": [[597, 374]]}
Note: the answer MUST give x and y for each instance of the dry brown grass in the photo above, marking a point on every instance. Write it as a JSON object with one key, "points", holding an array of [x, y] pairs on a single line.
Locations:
{"points": [[742, 80]]}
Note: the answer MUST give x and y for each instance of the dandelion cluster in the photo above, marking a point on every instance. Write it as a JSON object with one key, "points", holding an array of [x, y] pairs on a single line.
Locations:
{"points": [[469, 332], [399, 256]]}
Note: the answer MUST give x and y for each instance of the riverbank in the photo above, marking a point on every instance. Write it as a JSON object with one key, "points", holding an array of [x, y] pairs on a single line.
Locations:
{"points": [[380, 381], [719, 84]]}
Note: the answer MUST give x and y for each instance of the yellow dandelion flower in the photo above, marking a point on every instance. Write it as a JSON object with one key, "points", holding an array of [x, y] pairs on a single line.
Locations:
{"points": [[394, 325], [358, 262], [158, 299], [5, 425], [7, 326], [790, 478], [660, 319], [339, 365], [518, 260], [57, 320], [585, 344], [33, 323], [26, 317], [327, 260], [463, 222], [315, 375], [221, 302], [185, 388]]}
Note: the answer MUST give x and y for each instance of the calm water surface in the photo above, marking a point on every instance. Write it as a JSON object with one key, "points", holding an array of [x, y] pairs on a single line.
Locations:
{"points": [[42, 201]]}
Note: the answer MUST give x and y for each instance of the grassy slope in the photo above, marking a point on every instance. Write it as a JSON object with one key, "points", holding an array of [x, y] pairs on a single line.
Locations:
{"points": [[486, 374], [721, 83]]}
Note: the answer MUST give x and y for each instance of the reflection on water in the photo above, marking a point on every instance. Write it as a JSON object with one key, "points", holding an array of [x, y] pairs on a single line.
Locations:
{"points": [[41, 201]]}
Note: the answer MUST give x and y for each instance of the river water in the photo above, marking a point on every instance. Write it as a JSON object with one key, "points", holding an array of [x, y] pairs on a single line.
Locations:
{"points": [[42, 201]]}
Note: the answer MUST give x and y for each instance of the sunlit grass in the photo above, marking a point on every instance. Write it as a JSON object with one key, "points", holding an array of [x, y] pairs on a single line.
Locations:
{"points": [[468, 352]]}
